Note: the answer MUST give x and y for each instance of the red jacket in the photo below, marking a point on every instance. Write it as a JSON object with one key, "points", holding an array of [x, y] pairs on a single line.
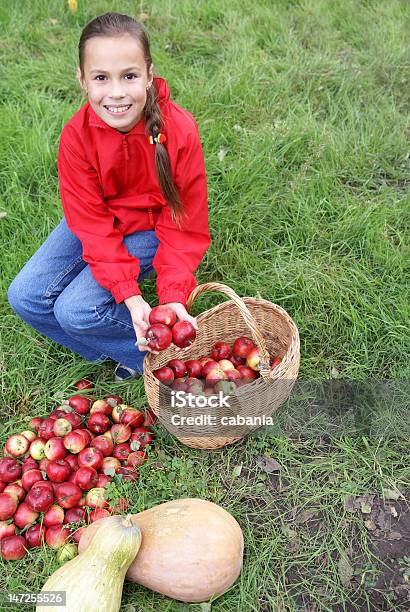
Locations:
{"points": [[109, 189]]}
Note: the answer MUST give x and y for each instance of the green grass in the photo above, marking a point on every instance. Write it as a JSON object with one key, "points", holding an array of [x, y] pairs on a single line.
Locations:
{"points": [[303, 114]]}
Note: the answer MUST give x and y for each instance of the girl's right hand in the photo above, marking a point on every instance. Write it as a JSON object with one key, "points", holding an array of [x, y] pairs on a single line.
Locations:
{"points": [[139, 311]]}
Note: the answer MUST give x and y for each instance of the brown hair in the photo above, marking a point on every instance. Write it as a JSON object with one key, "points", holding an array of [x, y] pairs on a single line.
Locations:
{"points": [[117, 24]]}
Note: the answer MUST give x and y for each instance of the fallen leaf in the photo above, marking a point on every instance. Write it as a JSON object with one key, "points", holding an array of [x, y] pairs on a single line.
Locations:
{"points": [[345, 569], [365, 508], [52, 21], [143, 17], [205, 606], [3, 214], [222, 152], [237, 127], [393, 511], [334, 372], [305, 516], [392, 494], [268, 464], [349, 503], [370, 525], [73, 6], [237, 471], [394, 535]]}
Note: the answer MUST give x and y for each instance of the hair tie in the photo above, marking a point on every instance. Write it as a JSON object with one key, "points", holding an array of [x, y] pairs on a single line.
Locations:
{"points": [[157, 139]]}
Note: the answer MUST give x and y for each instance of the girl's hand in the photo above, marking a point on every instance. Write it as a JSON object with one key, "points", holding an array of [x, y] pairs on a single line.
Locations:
{"points": [[182, 315], [139, 311]]}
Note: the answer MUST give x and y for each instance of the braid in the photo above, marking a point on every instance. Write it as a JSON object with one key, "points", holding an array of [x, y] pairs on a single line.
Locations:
{"points": [[152, 113]]}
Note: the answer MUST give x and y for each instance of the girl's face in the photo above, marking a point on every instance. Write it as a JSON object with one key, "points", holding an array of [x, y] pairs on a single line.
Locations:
{"points": [[115, 80]]}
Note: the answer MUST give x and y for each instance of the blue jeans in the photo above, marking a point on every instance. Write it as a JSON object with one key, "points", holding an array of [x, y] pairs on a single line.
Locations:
{"points": [[56, 294]]}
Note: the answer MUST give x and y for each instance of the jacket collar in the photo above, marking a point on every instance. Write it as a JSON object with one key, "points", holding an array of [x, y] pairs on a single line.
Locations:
{"points": [[139, 128]]}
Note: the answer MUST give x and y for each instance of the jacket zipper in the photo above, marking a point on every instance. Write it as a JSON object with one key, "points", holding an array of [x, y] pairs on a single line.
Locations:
{"points": [[125, 143]]}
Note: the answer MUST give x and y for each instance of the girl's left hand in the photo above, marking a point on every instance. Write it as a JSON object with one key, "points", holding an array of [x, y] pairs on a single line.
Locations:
{"points": [[182, 315]]}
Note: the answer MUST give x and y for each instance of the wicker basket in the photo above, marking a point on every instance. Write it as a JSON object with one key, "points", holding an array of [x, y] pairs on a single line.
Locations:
{"points": [[272, 330]]}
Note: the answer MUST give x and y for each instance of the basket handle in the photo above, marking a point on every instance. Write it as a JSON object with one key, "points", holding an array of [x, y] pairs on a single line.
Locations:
{"points": [[264, 366]]}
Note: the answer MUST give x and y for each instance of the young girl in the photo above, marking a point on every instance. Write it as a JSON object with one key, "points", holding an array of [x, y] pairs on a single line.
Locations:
{"points": [[133, 188]]}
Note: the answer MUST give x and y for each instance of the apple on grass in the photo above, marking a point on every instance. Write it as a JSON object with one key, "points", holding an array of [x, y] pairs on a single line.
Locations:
{"points": [[132, 417], [80, 404], [98, 423], [121, 451], [30, 464], [120, 433], [45, 429], [57, 536], [101, 405], [90, 457], [7, 528], [113, 400], [39, 499], [97, 514], [37, 448], [74, 515], [84, 383], [86, 478], [54, 516], [77, 534], [62, 427], [68, 494], [95, 498], [34, 423], [35, 535], [55, 449], [58, 470], [74, 442], [30, 477], [13, 548], [30, 435], [15, 489], [103, 444], [17, 445]]}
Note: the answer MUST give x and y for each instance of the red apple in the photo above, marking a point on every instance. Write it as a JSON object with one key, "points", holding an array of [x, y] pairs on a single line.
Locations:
{"points": [[31, 464], [58, 470], [97, 514], [221, 350], [110, 464], [204, 360], [162, 314], [274, 362], [117, 411], [15, 489], [30, 477], [62, 427], [237, 360], [88, 436], [101, 405], [84, 383], [142, 436], [194, 385], [132, 417], [86, 478], [179, 385], [44, 484], [17, 445], [103, 444], [10, 470], [35, 422], [68, 494], [7, 529], [90, 457], [183, 334], [54, 516], [39, 499], [253, 358], [103, 480], [159, 336], [234, 375], [121, 451], [226, 365], [113, 400], [35, 535], [128, 473], [13, 548], [78, 533], [55, 449], [45, 430], [74, 419], [42, 466], [72, 461], [164, 375], [37, 448], [2, 486], [136, 458], [242, 346], [30, 435], [247, 373], [194, 368], [57, 536], [120, 433], [58, 414], [80, 404], [74, 442], [178, 367], [74, 515], [95, 498], [215, 375], [98, 423], [8, 505], [209, 366], [150, 419], [25, 515]]}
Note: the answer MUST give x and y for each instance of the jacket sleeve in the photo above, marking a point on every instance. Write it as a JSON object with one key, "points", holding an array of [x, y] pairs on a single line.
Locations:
{"points": [[180, 251], [89, 218]]}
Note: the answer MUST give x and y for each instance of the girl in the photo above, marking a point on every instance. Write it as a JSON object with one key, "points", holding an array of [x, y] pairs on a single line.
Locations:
{"points": [[133, 189]]}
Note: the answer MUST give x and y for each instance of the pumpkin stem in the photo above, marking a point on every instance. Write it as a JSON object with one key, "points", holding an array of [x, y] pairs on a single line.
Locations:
{"points": [[127, 522]]}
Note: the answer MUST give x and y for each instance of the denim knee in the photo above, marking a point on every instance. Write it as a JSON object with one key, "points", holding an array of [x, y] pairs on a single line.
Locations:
{"points": [[21, 299], [73, 317]]}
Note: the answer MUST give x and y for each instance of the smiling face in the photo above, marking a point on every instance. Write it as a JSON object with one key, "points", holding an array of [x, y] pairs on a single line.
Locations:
{"points": [[115, 80]]}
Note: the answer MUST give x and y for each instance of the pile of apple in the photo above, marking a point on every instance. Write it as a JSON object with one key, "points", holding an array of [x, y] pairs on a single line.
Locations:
{"points": [[164, 330], [53, 475], [224, 370]]}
